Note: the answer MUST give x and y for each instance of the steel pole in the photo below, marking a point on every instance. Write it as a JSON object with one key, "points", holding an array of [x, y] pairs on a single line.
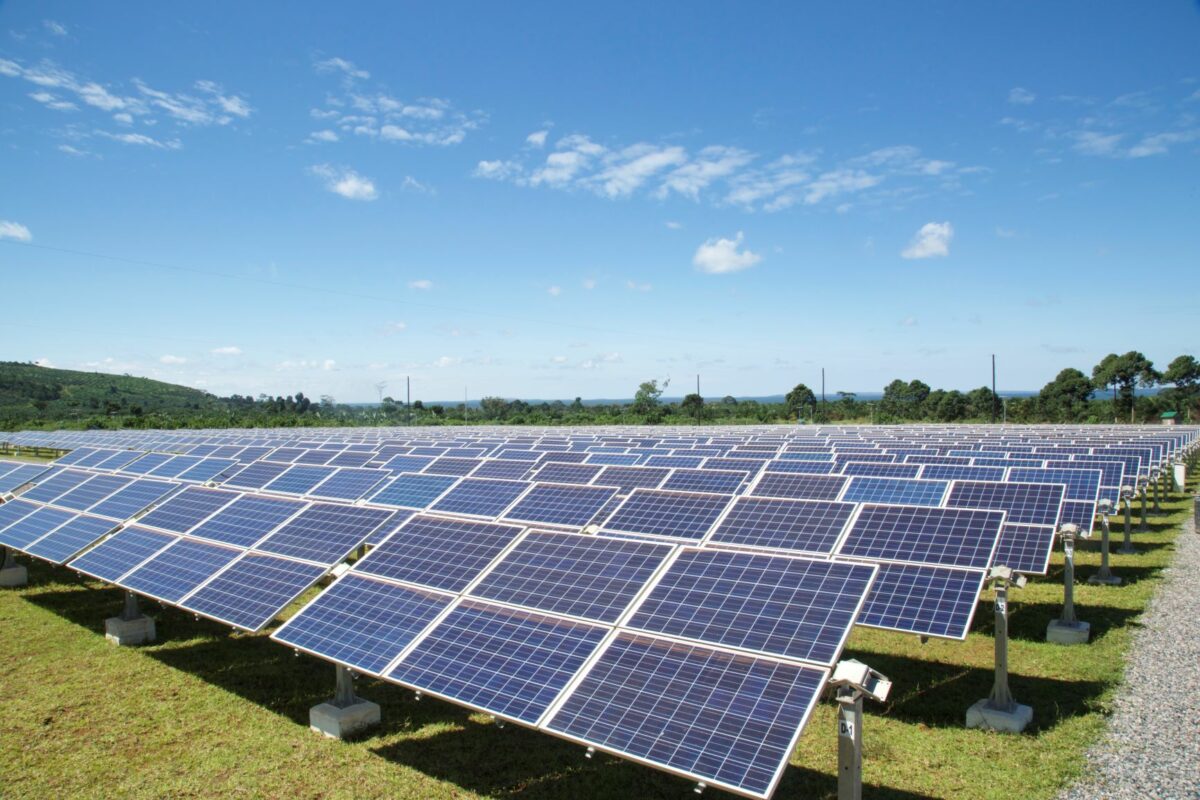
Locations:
{"points": [[1143, 527], [1127, 546], [850, 718], [1001, 698], [343, 695], [1068, 612]]}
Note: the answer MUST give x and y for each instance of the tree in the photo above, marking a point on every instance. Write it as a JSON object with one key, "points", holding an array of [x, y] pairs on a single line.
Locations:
{"points": [[645, 402], [799, 398], [1124, 374], [693, 405], [1184, 374], [1065, 398]]}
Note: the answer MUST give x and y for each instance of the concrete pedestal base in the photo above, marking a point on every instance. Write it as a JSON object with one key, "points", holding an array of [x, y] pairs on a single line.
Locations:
{"points": [[127, 632], [14, 576], [991, 719], [1060, 632], [338, 723], [1111, 580]]}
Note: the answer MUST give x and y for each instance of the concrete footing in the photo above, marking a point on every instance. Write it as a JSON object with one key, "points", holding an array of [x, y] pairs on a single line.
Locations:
{"points": [[14, 576], [1060, 632], [128, 632], [339, 723], [981, 715], [1111, 580]]}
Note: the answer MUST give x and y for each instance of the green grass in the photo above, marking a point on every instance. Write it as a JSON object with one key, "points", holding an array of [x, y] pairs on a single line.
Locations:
{"points": [[209, 713]]}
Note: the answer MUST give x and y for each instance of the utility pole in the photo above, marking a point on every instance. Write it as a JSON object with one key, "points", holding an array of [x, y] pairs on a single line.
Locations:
{"points": [[408, 400], [993, 388]]}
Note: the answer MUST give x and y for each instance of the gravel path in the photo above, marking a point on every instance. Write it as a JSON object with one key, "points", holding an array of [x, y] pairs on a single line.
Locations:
{"points": [[1152, 747]]}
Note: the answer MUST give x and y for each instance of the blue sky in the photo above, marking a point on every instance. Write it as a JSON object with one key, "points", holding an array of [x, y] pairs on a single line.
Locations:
{"points": [[544, 201]]}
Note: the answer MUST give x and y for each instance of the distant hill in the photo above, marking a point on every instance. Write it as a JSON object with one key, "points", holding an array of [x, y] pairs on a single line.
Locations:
{"points": [[29, 392]]}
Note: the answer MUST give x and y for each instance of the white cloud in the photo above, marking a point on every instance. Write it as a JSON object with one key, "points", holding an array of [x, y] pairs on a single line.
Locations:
{"points": [[231, 350], [718, 255], [323, 136], [169, 359], [633, 166], [230, 104], [396, 327], [14, 230], [1159, 143], [554, 291], [343, 67], [447, 361], [346, 182], [44, 362], [497, 170], [558, 359], [909, 322], [537, 138], [142, 140], [72, 151], [423, 284], [1020, 97], [841, 181], [589, 283], [709, 165], [53, 102], [932, 240], [675, 226], [56, 28], [411, 184], [329, 365], [1092, 143], [1005, 233], [635, 286]]}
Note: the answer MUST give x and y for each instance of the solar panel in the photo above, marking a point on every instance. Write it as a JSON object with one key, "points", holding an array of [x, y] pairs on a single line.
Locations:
{"points": [[626, 479], [133, 498], [70, 538], [350, 459], [120, 553], [437, 552], [501, 468], [187, 509], [1079, 512], [49, 489], [208, 469], [247, 520], [719, 481], [361, 622], [178, 569], [256, 475], [315, 457], [806, 467], [780, 523], [1025, 503], [349, 483], [21, 475], [942, 536], [895, 491], [592, 577], [174, 466], [1025, 548], [480, 497], [452, 466], [878, 470], [680, 515], [90, 492], [619, 459], [689, 462], [73, 457], [413, 491], [325, 533], [726, 719], [800, 487], [558, 504], [955, 472], [556, 472], [31, 527], [926, 600], [93, 458], [146, 463], [778, 605], [1081, 483], [408, 463], [252, 590], [299, 479], [503, 661]]}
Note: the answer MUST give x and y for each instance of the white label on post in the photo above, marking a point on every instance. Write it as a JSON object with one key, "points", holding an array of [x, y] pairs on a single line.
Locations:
{"points": [[846, 729], [1002, 604]]}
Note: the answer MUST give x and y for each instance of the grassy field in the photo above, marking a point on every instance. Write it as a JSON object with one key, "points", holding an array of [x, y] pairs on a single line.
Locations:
{"points": [[206, 712]]}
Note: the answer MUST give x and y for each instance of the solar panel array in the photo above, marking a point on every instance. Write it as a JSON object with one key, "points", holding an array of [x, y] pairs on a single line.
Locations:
{"points": [[677, 598]]}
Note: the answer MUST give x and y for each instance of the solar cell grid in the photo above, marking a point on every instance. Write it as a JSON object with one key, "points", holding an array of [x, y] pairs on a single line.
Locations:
{"points": [[256, 475], [452, 466], [905, 491], [592, 577], [324, 532], [174, 466], [480, 497], [414, 491], [252, 590], [556, 472], [208, 470], [953, 472], [1024, 503], [408, 463], [73, 536], [31, 527], [92, 491], [940, 536], [187, 509], [135, 497], [806, 525], [626, 479], [247, 519], [1025, 548], [719, 481], [503, 661], [178, 569], [867, 468], [801, 487], [780, 605], [437, 552], [49, 489], [21, 475], [349, 483], [361, 622], [729, 720], [147, 463], [681, 515], [560, 504], [94, 458], [299, 479], [926, 600], [1081, 483], [120, 553]]}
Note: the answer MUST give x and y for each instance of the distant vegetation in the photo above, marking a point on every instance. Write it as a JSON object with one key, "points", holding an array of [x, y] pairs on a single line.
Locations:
{"points": [[39, 397]]}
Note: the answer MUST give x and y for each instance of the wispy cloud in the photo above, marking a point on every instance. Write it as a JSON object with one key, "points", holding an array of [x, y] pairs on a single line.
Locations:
{"points": [[718, 255], [141, 139], [537, 139], [55, 28], [15, 231], [366, 110], [554, 291], [931, 241], [424, 284], [345, 182], [1021, 97], [230, 350], [172, 360]]}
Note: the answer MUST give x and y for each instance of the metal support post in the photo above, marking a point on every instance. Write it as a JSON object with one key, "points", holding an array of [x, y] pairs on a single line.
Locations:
{"points": [[1127, 500], [1143, 527], [1156, 482], [1067, 629], [999, 711], [852, 681], [9, 561], [343, 694], [131, 611], [1104, 577]]}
